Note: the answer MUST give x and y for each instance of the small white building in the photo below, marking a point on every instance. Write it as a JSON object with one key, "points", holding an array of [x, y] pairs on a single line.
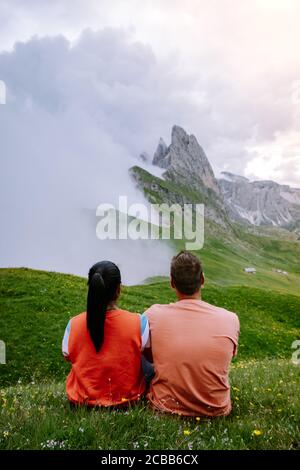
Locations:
{"points": [[285, 273], [250, 270]]}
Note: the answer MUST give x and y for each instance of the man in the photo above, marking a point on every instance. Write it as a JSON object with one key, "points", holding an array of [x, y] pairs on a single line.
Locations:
{"points": [[192, 344]]}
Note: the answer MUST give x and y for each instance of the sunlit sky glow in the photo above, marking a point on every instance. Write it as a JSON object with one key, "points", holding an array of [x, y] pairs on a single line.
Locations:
{"points": [[227, 70]]}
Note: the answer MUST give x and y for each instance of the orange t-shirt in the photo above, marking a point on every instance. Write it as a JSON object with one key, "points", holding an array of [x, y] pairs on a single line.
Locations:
{"points": [[114, 375], [192, 344]]}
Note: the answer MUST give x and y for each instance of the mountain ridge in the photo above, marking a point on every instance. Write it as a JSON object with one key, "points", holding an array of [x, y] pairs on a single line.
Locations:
{"points": [[230, 198]]}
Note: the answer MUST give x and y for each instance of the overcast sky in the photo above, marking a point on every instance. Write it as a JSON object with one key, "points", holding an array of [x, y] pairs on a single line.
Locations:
{"points": [[226, 70], [92, 83]]}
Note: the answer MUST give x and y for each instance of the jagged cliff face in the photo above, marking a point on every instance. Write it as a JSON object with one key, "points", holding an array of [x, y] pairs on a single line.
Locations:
{"points": [[231, 197], [260, 202], [184, 160], [189, 174]]}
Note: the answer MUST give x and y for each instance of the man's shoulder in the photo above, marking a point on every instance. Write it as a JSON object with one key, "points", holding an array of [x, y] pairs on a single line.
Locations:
{"points": [[222, 311], [157, 309]]}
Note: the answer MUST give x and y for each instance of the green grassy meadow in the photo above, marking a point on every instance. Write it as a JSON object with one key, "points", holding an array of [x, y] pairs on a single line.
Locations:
{"points": [[34, 413]]}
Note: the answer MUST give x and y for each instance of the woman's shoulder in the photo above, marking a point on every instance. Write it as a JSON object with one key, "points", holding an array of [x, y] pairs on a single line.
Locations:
{"points": [[79, 317], [125, 312], [127, 316]]}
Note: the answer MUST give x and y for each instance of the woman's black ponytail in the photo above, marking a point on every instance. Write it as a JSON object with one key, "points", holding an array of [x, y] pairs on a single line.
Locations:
{"points": [[104, 280], [96, 309]]}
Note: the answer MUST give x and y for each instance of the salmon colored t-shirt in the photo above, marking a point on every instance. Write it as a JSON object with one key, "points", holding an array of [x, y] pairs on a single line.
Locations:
{"points": [[192, 344]]}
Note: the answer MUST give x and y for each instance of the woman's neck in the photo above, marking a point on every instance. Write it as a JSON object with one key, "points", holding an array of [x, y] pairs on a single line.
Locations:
{"points": [[112, 306]]}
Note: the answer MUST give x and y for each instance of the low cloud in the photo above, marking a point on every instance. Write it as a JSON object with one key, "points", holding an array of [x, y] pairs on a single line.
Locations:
{"points": [[71, 128], [80, 111]]}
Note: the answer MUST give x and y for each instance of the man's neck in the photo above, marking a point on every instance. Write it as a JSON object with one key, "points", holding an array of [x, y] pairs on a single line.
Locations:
{"points": [[196, 296]]}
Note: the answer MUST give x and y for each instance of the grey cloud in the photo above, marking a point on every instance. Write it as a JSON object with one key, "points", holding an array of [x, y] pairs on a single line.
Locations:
{"points": [[62, 153], [77, 116]]}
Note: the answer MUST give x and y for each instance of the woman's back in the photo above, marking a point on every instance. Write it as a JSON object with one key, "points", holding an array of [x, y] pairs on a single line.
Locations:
{"points": [[104, 345], [113, 375]]}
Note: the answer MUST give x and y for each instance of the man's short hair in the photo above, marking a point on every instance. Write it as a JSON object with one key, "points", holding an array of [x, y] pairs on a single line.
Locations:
{"points": [[186, 272]]}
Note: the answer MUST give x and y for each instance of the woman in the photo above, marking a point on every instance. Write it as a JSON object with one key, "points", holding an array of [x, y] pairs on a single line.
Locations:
{"points": [[104, 345]]}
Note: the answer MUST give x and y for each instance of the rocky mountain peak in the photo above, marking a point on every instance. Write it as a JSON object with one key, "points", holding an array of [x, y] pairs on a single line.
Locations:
{"points": [[179, 136], [230, 198], [262, 202], [185, 160], [226, 175], [160, 153]]}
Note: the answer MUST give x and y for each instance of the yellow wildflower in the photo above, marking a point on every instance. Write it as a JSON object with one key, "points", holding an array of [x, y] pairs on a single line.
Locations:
{"points": [[186, 432], [256, 432]]}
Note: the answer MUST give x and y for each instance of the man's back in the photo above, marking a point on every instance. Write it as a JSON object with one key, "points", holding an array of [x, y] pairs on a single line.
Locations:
{"points": [[192, 344]]}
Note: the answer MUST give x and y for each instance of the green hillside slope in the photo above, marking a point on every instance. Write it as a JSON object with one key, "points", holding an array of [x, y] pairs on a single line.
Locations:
{"points": [[34, 309], [229, 248]]}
